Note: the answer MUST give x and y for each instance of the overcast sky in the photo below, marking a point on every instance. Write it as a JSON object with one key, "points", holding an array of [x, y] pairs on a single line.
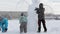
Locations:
{"points": [[53, 6], [21, 5], [14, 5]]}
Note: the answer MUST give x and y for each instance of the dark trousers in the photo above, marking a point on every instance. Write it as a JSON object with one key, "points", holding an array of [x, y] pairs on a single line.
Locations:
{"points": [[23, 27], [39, 25]]}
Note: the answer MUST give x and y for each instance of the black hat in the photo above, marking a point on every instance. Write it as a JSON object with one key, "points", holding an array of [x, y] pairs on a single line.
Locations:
{"points": [[41, 4], [21, 14]]}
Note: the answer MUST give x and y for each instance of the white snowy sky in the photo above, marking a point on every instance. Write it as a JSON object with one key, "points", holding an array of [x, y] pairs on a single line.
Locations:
{"points": [[13, 5], [21, 5], [54, 4]]}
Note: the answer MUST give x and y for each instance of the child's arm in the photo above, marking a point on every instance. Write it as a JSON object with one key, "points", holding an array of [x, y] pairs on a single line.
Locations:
{"points": [[26, 18], [20, 19]]}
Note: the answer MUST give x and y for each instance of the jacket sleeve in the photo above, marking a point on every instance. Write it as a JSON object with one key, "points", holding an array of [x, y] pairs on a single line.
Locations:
{"points": [[26, 19], [37, 10], [43, 9], [20, 19], [0, 24]]}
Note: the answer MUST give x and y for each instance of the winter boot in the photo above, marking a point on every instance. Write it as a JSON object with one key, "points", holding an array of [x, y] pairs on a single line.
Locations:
{"points": [[39, 29], [45, 30]]}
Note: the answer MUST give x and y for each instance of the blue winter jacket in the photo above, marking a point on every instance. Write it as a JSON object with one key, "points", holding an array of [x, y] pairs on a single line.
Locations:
{"points": [[4, 23]]}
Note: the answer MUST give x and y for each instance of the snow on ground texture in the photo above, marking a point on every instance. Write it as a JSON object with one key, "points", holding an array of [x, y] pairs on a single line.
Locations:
{"points": [[53, 27]]}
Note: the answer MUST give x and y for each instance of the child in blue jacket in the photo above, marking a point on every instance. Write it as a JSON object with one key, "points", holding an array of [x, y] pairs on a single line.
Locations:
{"points": [[3, 24]]}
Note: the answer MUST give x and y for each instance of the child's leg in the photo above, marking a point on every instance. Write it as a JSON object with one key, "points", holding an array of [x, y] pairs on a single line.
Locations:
{"points": [[3, 29], [21, 28], [25, 28], [39, 25], [44, 25], [0, 28]]}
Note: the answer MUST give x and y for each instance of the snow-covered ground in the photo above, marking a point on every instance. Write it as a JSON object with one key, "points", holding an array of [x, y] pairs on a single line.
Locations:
{"points": [[53, 27]]}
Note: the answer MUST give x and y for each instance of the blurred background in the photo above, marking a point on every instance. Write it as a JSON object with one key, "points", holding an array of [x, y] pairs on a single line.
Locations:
{"points": [[13, 8]]}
